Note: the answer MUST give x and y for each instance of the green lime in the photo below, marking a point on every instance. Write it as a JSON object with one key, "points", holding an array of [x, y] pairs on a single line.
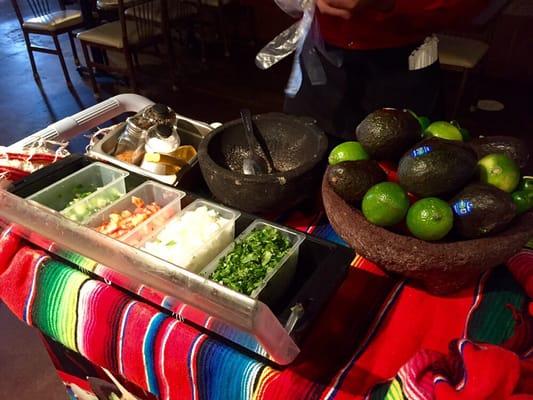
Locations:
{"points": [[385, 204], [465, 134], [430, 219], [424, 122], [526, 183], [347, 151], [523, 200], [499, 170], [444, 130]]}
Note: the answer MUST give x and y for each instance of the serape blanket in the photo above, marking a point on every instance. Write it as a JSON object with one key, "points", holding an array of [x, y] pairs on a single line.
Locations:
{"points": [[379, 338]]}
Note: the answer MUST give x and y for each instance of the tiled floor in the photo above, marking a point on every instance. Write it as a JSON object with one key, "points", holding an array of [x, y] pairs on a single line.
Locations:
{"points": [[215, 94], [26, 372]]}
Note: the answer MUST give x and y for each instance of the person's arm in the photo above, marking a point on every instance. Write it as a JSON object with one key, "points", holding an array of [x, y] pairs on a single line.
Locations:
{"points": [[346, 8], [417, 14], [435, 14]]}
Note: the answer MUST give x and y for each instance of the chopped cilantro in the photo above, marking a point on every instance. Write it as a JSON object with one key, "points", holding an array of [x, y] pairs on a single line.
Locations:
{"points": [[247, 265]]}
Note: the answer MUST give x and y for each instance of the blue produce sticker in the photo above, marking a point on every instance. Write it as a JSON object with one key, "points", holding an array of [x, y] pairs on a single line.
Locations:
{"points": [[420, 151], [463, 207]]}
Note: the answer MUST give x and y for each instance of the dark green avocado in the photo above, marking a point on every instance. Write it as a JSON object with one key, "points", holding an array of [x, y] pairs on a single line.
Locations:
{"points": [[481, 209], [436, 167], [510, 146], [385, 134], [352, 179]]}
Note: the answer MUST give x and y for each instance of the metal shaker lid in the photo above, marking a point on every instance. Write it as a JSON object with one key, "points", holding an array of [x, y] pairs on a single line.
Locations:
{"points": [[159, 114]]}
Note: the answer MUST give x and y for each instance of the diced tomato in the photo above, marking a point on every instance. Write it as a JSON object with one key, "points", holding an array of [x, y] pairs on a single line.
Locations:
{"points": [[137, 202], [121, 223]]}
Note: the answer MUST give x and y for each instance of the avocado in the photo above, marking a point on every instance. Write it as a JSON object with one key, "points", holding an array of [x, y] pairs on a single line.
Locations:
{"points": [[385, 134], [512, 147], [436, 167], [352, 179], [481, 209]]}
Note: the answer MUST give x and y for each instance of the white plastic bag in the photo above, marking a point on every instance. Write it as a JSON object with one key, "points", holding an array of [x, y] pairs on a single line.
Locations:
{"points": [[302, 38]]}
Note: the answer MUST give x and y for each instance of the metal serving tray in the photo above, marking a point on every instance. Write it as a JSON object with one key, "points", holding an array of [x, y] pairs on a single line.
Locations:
{"points": [[191, 132]]}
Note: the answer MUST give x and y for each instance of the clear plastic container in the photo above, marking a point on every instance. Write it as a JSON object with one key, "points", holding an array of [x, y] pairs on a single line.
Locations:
{"points": [[150, 192], [106, 184], [202, 253], [277, 281]]}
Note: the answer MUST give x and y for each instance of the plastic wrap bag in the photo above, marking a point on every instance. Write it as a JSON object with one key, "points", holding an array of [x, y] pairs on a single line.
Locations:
{"points": [[17, 165], [302, 38]]}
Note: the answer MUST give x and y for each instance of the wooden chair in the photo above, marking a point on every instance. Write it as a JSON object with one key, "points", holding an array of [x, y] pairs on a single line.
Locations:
{"points": [[182, 18], [45, 21], [142, 23], [462, 55], [221, 10], [218, 6]]}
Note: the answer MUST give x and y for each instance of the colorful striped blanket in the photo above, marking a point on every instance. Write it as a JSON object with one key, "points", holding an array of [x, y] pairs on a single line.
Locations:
{"points": [[476, 344]]}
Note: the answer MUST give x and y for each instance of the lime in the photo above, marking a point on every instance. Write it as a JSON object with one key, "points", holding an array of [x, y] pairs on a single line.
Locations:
{"points": [[430, 219], [347, 151], [523, 200], [499, 170], [465, 134], [444, 130], [385, 204], [424, 122], [526, 183]]}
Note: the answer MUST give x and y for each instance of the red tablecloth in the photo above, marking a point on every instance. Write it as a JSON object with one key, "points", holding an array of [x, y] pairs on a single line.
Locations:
{"points": [[379, 338]]}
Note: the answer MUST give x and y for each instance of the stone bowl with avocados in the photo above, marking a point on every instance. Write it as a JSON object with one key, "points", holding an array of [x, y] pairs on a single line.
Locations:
{"points": [[438, 267], [486, 237]]}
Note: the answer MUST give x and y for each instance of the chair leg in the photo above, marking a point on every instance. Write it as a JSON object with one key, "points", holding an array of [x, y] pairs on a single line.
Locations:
{"points": [[171, 60], [62, 60], [131, 72], [222, 27], [251, 22], [135, 56], [32, 59], [74, 50], [90, 69], [105, 58], [460, 93], [203, 45]]}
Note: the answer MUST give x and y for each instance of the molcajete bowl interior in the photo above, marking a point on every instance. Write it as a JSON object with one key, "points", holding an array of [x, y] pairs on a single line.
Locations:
{"points": [[295, 146], [440, 268]]}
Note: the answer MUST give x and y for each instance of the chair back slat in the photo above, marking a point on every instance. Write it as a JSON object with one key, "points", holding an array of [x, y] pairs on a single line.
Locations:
{"points": [[39, 8], [33, 8], [147, 16]]}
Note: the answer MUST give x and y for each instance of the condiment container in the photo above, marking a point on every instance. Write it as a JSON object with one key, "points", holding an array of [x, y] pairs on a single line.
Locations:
{"points": [[150, 192], [161, 139], [160, 114], [130, 145], [204, 252], [109, 184], [278, 279]]}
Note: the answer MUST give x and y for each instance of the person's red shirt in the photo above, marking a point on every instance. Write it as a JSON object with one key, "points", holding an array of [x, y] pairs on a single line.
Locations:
{"points": [[409, 22]]}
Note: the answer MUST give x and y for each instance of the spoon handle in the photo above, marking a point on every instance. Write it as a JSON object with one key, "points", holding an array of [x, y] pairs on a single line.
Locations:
{"points": [[246, 117]]}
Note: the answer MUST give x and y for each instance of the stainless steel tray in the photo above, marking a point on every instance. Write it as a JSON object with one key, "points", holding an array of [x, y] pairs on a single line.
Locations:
{"points": [[191, 132]]}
